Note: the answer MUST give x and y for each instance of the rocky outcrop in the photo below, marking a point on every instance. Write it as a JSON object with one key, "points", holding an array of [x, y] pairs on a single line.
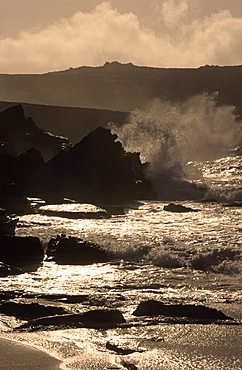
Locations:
{"points": [[18, 134], [156, 308], [74, 251], [98, 170], [13, 200], [21, 251], [97, 319], [172, 207]]}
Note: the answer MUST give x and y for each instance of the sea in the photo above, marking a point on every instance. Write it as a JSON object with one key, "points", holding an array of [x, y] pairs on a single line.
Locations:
{"points": [[175, 258]]}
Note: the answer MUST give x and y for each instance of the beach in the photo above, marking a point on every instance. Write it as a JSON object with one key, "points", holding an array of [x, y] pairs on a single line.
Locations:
{"points": [[14, 355]]}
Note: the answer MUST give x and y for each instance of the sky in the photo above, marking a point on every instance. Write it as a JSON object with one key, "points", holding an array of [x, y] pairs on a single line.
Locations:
{"points": [[38, 36]]}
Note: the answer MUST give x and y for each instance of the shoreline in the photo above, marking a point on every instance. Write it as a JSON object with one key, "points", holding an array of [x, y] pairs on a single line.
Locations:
{"points": [[16, 355], [174, 347]]}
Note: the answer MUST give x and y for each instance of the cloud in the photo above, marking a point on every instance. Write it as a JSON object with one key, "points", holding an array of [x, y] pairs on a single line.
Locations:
{"points": [[173, 11], [104, 34]]}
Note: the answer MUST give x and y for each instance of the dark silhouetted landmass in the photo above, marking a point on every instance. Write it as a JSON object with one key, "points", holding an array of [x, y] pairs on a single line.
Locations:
{"points": [[74, 123], [122, 87], [19, 134], [96, 170]]}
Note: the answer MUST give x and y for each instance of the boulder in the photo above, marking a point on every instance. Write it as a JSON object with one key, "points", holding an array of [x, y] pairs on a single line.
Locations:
{"points": [[21, 251], [156, 308], [27, 311], [172, 207], [74, 251], [92, 319], [6, 270]]}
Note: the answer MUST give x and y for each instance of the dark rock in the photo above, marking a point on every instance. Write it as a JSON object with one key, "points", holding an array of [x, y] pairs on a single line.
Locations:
{"points": [[21, 251], [155, 308], [8, 166], [172, 207], [13, 200], [29, 166], [27, 311], [21, 134], [74, 251], [7, 223], [90, 319], [98, 170], [6, 270], [119, 349]]}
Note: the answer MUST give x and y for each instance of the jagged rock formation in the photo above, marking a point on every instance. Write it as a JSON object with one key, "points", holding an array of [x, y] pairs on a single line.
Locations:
{"points": [[19, 134], [98, 170], [71, 122]]}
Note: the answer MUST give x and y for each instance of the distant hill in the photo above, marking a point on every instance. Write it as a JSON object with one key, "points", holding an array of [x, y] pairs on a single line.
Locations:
{"points": [[74, 123], [122, 87]]}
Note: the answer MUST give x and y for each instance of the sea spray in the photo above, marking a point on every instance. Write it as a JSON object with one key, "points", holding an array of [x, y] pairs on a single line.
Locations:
{"points": [[168, 135]]}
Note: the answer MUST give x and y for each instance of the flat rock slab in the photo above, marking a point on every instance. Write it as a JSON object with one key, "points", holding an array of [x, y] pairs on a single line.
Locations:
{"points": [[156, 308]]}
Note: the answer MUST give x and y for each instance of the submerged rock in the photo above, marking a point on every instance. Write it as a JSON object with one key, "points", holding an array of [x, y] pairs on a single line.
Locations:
{"points": [[172, 207], [21, 251], [73, 251], [91, 319], [156, 308]]}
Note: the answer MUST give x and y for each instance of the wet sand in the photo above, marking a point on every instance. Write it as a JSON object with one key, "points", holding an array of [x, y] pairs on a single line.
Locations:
{"points": [[18, 356]]}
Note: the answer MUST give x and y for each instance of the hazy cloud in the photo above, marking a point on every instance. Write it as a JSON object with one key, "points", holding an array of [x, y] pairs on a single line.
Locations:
{"points": [[106, 35], [173, 11]]}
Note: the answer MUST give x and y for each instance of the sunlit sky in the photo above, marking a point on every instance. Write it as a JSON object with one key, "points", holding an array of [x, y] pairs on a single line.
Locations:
{"points": [[38, 36]]}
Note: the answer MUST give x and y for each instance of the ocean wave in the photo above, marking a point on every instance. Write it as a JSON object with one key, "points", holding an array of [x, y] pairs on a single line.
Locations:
{"points": [[172, 254], [220, 260], [169, 135]]}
